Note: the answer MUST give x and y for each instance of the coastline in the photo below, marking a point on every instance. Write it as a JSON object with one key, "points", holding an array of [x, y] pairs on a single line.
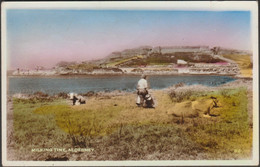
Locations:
{"points": [[239, 82], [123, 74]]}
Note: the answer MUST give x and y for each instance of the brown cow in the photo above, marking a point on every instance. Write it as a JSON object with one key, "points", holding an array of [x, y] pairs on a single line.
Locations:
{"points": [[198, 108]]}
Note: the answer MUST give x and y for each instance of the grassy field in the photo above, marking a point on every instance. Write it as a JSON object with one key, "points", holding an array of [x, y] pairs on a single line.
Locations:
{"points": [[244, 62], [120, 61], [110, 127], [162, 59]]}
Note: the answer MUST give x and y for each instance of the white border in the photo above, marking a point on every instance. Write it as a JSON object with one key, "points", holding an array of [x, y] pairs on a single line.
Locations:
{"points": [[3, 85], [130, 5], [161, 5], [254, 36]]}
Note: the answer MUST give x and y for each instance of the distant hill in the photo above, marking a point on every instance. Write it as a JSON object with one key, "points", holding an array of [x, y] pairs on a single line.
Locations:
{"points": [[244, 61], [147, 55]]}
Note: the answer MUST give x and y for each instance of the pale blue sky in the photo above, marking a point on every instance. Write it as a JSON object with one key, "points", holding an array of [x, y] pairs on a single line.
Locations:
{"points": [[45, 37]]}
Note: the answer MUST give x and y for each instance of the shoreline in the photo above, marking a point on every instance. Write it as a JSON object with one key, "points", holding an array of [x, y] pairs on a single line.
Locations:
{"points": [[119, 75], [240, 82]]}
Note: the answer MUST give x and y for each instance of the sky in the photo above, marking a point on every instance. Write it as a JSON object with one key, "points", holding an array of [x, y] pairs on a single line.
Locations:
{"points": [[46, 37]]}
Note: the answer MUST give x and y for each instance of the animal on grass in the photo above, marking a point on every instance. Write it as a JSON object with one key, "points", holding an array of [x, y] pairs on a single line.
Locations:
{"points": [[198, 108], [148, 101], [77, 99]]}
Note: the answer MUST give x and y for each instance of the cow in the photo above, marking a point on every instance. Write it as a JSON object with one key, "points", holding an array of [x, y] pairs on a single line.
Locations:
{"points": [[77, 99], [191, 109]]}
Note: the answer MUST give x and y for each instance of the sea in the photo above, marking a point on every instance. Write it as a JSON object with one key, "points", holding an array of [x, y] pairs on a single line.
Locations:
{"points": [[84, 84]]}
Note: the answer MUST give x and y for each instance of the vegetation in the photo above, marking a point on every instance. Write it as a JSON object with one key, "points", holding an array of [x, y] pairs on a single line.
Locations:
{"points": [[244, 62], [82, 66], [33, 130], [118, 62], [148, 56], [230, 135], [164, 59], [118, 130]]}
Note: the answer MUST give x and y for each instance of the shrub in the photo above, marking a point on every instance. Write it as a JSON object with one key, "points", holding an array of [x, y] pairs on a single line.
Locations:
{"points": [[89, 94], [62, 95], [180, 95], [40, 97], [40, 94], [181, 84]]}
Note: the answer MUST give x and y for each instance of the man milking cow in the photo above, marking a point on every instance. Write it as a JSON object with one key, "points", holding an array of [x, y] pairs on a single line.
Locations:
{"points": [[144, 99]]}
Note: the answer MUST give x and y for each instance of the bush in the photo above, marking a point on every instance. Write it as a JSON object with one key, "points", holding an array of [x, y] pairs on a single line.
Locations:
{"points": [[180, 95], [40, 94], [89, 94], [62, 95], [181, 84]]}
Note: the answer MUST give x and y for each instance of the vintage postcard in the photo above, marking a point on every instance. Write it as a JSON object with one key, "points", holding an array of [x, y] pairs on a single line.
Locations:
{"points": [[129, 83]]}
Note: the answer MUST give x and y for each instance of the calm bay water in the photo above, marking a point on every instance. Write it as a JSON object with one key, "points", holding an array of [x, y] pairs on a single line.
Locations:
{"points": [[104, 83]]}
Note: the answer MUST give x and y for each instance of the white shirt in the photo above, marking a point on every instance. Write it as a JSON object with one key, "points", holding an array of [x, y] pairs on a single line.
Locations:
{"points": [[142, 84]]}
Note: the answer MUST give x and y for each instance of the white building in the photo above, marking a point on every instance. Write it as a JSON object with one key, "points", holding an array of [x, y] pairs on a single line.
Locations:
{"points": [[182, 62]]}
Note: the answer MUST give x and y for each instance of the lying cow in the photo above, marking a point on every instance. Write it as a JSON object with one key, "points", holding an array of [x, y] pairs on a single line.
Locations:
{"points": [[199, 108], [77, 99]]}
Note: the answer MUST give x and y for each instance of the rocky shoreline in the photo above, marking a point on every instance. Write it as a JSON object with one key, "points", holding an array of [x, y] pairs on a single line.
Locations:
{"points": [[127, 74], [240, 82]]}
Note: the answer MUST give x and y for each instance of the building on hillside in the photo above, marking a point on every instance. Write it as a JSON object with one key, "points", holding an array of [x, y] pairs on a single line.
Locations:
{"points": [[183, 70], [181, 62]]}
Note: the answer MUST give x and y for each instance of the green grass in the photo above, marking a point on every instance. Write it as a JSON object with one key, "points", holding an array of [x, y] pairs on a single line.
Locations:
{"points": [[148, 142], [32, 130], [231, 134], [118, 62], [118, 130], [88, 122], [244, 63], [163, 59]]}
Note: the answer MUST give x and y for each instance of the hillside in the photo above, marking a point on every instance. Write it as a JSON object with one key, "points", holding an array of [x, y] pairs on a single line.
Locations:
{"points": [[144, 56], [159, 60], [244, 62], [199, 59]]}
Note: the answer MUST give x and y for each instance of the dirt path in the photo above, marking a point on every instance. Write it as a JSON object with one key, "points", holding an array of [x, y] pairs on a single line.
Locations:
{"points": [[225, 59]]}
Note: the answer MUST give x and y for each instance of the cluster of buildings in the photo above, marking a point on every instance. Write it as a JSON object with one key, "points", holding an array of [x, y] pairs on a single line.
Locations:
{"points": [[33, 72], [214, 68], [181, 67]]}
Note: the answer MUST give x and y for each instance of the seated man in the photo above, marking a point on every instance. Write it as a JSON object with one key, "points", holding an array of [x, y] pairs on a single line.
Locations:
{"points": [[73, 98]]}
